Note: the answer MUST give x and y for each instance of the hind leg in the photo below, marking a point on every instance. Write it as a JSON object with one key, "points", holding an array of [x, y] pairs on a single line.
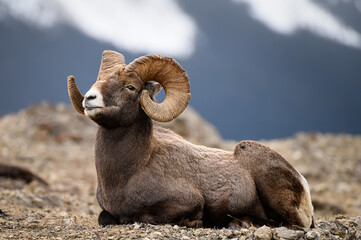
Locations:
{"points": [[296, 206], [283, 191], [285, 196], [288, 212]]}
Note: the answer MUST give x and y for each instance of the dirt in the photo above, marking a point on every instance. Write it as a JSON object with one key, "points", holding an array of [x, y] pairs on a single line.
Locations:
{"points": [[57, 144]]}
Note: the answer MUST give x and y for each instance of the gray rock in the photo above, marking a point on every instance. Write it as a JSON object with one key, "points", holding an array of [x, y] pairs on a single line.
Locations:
{"points": [[358, 235], [263, 233], [185, 237], [312, 235], [286, 233], [137, 225], [337, 228], [358, 221]]}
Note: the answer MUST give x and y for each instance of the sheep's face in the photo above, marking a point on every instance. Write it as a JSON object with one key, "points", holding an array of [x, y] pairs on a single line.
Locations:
{"points": [[124, 92], [114, 100]]}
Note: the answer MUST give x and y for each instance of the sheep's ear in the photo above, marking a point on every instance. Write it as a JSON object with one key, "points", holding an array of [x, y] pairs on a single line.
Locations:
{"points": [[153, 88]]}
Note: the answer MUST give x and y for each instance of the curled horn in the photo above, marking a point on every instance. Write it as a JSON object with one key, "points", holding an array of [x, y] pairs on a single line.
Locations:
{"points": [[173, 79], [75, 95]]}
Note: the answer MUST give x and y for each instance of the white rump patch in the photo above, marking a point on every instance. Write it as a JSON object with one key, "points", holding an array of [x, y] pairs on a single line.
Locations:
{"points": [[305, 208]]}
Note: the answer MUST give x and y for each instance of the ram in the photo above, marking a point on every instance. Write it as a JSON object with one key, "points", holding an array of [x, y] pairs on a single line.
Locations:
{"points": [[149, 174]]}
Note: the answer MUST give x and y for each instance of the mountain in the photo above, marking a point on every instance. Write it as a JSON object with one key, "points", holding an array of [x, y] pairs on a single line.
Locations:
{"points": [[248, 80]]}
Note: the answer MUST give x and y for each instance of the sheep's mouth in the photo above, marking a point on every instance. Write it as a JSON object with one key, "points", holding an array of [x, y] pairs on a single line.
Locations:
{"points": [[92, 108], [93, 111]]}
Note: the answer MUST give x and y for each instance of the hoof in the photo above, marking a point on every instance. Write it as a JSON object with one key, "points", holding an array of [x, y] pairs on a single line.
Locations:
{"points": [[245, 222], [105, 218], [192, 223], [235, 225]]}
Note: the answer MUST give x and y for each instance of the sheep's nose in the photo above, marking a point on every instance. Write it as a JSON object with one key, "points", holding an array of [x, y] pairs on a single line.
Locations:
{"points": [[90, 97], [93, 99]]}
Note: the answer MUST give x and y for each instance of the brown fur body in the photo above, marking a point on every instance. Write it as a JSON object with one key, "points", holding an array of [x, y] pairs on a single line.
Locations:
{"points": [[153, 175]]}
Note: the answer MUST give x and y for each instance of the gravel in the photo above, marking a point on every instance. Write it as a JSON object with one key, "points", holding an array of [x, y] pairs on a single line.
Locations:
{"points": [[57, 144], [34, 223]]}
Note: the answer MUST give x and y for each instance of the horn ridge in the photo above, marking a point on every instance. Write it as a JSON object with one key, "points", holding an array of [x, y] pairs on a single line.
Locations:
{"points": [[110, 59], [75, 95]]}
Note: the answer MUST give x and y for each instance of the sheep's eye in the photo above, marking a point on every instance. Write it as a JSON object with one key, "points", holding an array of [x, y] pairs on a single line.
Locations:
{"points": [[130, 87]]}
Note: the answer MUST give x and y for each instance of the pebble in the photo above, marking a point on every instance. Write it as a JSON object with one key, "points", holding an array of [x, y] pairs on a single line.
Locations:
{"points": [[358, 221], [263, 233], [312, 235], [136, 225], [286, 233]]}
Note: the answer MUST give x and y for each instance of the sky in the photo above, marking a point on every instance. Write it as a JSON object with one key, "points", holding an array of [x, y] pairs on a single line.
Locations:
{"points": [[163, 26], [137, 26], [268, 69]]}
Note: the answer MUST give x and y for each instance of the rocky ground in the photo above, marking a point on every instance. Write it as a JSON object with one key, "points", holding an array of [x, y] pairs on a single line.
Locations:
{"points": [[56, 143]]}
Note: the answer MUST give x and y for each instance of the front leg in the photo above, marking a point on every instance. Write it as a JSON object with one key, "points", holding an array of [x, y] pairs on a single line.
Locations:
{"points": [[165, 202], [105, 218], [180, 209]]}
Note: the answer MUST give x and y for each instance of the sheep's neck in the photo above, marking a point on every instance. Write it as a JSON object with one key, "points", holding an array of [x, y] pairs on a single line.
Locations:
{"points": [[119, 152]]}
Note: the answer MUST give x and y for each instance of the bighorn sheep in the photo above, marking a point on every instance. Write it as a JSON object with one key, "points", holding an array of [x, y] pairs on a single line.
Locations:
{"points": [[150, 174]]}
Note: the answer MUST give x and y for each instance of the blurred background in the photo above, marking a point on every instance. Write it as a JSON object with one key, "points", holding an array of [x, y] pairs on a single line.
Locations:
{"points": [[258, 69]]}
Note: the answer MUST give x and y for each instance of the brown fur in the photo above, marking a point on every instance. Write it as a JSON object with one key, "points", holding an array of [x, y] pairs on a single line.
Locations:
{"points": [[150, 174], [160, 178]]}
